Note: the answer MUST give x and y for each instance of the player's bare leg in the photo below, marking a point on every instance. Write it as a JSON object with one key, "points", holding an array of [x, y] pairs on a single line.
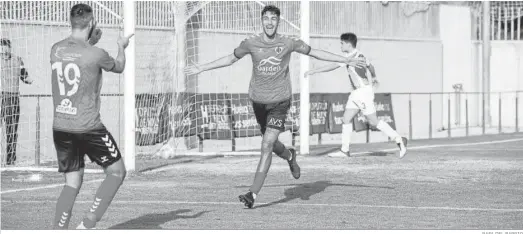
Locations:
{"points": [[385, 128], [65, 203], [289, 155], [115, 175], [269, 138], [280, 149], [346, 132]]}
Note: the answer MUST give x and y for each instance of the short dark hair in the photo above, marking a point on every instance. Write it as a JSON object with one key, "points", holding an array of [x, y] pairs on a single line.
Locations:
{"points": [[5, 42], [349, 38], [271, 8], [81, 15]]}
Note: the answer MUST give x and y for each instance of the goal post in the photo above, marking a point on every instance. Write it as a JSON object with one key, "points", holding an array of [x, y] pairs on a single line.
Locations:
{"points": [[129, 19], [304, 81]]}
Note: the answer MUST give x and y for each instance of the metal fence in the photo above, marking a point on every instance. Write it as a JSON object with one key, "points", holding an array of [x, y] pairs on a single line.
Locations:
{"points": [[368, 19], [55, 12], [505, 20], [466, 110], [417, 115], [149, 14], [446, 115]]}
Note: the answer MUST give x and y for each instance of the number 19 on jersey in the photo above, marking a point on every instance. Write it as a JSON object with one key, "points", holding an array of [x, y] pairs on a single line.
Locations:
{"points": [[64, 73]]}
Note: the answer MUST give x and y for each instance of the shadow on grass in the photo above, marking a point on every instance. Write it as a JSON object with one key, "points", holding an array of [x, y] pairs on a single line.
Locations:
{"points": [[154, 220], [305, 191]]}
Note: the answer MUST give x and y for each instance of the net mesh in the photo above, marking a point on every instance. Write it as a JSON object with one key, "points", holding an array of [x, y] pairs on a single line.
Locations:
{"points": [[209, 112]]}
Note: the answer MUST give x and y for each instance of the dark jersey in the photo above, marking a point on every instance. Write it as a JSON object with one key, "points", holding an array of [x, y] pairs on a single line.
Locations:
{"points": [[77, 81], [270, 81]]}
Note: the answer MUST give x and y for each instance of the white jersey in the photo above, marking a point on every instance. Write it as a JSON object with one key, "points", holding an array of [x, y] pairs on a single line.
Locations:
{"points": [[359, 77], [362, 97]]}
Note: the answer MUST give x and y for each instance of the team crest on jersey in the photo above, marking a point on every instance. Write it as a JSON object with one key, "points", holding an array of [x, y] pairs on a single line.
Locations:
{"points": [[66, 107], [278, 49]]}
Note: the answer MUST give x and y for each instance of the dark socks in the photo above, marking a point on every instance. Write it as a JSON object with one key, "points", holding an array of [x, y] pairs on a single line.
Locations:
{"points": [[103, 198], [64, 207]]}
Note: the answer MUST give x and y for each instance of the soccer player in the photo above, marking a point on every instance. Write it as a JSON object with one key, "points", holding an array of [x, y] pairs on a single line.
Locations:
{"points": [[77, 129], [13, 71], [270, 88], [361, 98]]}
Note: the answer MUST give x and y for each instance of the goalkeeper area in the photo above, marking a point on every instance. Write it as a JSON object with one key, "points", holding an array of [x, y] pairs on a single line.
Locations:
{"points": [[464, 183]]}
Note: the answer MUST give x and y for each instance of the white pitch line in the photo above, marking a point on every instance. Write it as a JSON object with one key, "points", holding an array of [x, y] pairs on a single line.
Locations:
{"points": [[156, 202], [46, 169], [491, 150], [357, 153], [445, 145], [44, 187]]}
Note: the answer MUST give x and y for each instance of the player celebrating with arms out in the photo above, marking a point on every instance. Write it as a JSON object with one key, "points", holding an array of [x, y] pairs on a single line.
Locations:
{"points": [[77, 128], [361, 99], [270, 88]]}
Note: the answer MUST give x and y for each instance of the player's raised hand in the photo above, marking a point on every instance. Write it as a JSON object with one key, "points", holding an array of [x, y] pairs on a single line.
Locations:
{"points": [[124, 41], [95, 36], [192, 69], [357, 62]]}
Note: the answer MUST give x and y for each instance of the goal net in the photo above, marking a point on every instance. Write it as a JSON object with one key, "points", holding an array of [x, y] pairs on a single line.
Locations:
{"points": [[31, 28], [209, 113]]}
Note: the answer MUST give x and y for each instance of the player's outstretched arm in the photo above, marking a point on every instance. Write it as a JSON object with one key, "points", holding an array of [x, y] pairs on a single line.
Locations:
{"points": [[327, 56], [221, 62], [123, 42], [242, 50], [326, 68]]}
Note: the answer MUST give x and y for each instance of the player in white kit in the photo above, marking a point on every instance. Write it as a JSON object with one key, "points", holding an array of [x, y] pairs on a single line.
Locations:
{"points": [[361, 98]]}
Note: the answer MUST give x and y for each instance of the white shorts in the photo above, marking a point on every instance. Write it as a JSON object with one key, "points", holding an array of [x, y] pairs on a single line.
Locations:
{"points": [[362, 99]]}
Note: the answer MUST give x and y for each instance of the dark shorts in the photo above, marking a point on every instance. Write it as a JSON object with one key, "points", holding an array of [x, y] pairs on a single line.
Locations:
{"points": [[272, 115], [99, 145]]}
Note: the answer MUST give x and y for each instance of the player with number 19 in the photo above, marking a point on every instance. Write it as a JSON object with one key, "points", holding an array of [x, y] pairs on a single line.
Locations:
{"points": [[77, 128]]}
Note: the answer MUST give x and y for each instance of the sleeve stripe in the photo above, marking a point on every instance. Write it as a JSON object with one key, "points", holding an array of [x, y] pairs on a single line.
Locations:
{"points": [[308, 50], [234, 52]]}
